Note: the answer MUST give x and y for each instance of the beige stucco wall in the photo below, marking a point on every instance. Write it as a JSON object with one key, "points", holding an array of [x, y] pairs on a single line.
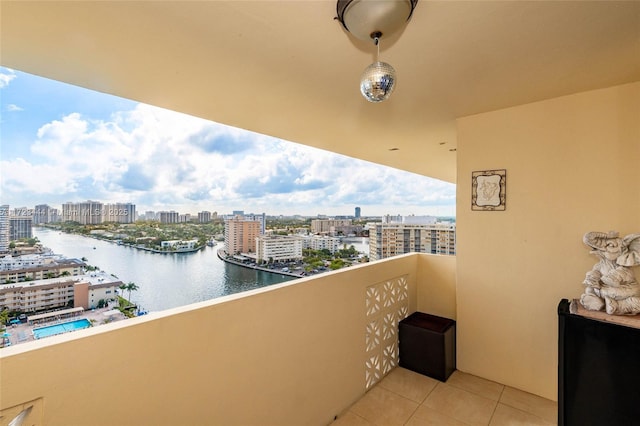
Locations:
{"points": [[81, 295], [572, 166], [291, 354], [436, 283]]}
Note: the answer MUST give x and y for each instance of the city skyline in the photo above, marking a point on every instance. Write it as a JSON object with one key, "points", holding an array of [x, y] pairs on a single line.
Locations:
{"points": [[62, 143]]}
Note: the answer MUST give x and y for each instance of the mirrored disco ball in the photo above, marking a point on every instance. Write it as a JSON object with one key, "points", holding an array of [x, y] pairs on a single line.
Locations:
{"points": [[378, 81]]}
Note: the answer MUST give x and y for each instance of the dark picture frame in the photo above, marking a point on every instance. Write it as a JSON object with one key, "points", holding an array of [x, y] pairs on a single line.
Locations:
{"points": [[489, 190]]}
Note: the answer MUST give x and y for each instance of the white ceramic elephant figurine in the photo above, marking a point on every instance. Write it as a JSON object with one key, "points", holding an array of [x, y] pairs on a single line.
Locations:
{"points": [[611, 284]]}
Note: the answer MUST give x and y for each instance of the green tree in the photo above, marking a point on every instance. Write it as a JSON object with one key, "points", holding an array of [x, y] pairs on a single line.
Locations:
{"points": [[4, 316], [131, 286], [336, 264], [123, 287]]}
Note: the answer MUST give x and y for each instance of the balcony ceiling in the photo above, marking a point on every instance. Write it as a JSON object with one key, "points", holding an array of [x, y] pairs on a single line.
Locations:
{"points": [[287, 68]]}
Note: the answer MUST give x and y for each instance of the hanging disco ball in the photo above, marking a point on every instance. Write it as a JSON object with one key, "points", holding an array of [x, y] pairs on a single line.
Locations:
{"points": [[378, 81]]}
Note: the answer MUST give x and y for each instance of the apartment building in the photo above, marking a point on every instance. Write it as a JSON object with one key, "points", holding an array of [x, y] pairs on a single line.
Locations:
{"points": [[168, 216], [20, 227], [85, 213], [278, 248], [150, 215], [51, 293], [331, 226], [204, 217], [4, 228], [43, 213], [260, 218], [36, 267], [119, 213], [392, 239], [321, 242], [240, 235]]}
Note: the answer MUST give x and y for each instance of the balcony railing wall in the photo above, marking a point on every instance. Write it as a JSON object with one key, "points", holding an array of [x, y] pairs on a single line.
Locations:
{"points": [[295, 353]]}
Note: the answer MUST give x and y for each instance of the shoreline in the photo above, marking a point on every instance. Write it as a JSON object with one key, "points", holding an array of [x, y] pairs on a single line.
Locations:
{"points": [[224, 258], [180, 251], [119, 243]]}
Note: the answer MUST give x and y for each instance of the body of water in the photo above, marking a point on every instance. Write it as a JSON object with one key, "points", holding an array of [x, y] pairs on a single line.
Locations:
{"points": [[165, 280], [359, 243]]}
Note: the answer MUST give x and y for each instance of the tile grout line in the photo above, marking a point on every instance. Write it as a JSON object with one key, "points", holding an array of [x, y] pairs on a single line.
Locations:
{"points": [[419, 404], [526, 411], [493, 413]]}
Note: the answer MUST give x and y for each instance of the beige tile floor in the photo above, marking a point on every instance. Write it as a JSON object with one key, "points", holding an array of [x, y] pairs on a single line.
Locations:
{"points": [[407, 398]]}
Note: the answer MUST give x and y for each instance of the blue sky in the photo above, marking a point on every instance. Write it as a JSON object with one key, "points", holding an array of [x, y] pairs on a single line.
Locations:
{"points": [[62, 143]]}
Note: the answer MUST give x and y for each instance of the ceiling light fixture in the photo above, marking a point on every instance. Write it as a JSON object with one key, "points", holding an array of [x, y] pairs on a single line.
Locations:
{"points": [[371, 20]]}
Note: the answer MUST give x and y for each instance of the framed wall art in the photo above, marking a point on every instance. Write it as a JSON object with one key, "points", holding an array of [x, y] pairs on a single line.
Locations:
{"points": [[489, 190]]}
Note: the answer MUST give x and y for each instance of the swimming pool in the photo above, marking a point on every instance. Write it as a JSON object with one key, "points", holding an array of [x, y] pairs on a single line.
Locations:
{"points": [[52, 330]]}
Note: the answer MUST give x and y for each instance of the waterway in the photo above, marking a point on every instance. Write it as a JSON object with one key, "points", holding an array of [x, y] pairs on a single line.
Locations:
{"points": [[165, 280]]}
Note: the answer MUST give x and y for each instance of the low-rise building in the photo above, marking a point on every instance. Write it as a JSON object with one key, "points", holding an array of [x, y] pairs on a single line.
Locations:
{"points": [[278, 248], [40, 295], [179, 245], [37, 267], [321, 242], [331, 226]]}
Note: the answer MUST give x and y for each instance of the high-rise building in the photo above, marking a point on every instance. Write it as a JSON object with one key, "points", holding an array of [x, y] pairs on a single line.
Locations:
{"points": [[240, 235], [42, 214], [204, 217], [150, 215], [395, 238], [357, 215], [168, 217], [20, 227], [85, 213], [4, 228], [119, 213], [262, 218]]}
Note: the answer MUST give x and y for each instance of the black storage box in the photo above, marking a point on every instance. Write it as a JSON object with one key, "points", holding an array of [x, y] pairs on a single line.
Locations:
{"points": [[428, 345]]}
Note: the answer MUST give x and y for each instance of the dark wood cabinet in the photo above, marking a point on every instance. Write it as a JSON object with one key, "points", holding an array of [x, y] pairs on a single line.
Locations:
{"points": [[598, 368]]}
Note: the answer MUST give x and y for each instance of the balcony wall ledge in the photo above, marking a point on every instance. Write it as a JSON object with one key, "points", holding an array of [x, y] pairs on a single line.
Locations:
{"points": [[292, 353]]}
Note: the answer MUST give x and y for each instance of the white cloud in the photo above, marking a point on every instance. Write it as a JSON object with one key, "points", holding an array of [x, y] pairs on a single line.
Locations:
{"points": [[6, 75], [160, 159], [13, 108]]}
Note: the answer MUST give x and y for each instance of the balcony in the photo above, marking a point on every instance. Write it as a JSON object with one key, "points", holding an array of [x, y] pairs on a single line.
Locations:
{"points": [[294, 353]]}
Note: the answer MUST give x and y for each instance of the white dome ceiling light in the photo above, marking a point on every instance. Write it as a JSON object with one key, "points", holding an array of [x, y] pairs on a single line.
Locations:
{"points": [[371, 20]]}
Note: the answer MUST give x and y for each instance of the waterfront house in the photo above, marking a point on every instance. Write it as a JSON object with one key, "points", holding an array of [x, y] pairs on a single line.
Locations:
{"points": [[548, 91]]}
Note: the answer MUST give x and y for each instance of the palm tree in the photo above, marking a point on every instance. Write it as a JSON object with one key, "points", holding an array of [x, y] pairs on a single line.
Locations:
{"points": [[122, 287], [4, 316], [131, 286]]}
